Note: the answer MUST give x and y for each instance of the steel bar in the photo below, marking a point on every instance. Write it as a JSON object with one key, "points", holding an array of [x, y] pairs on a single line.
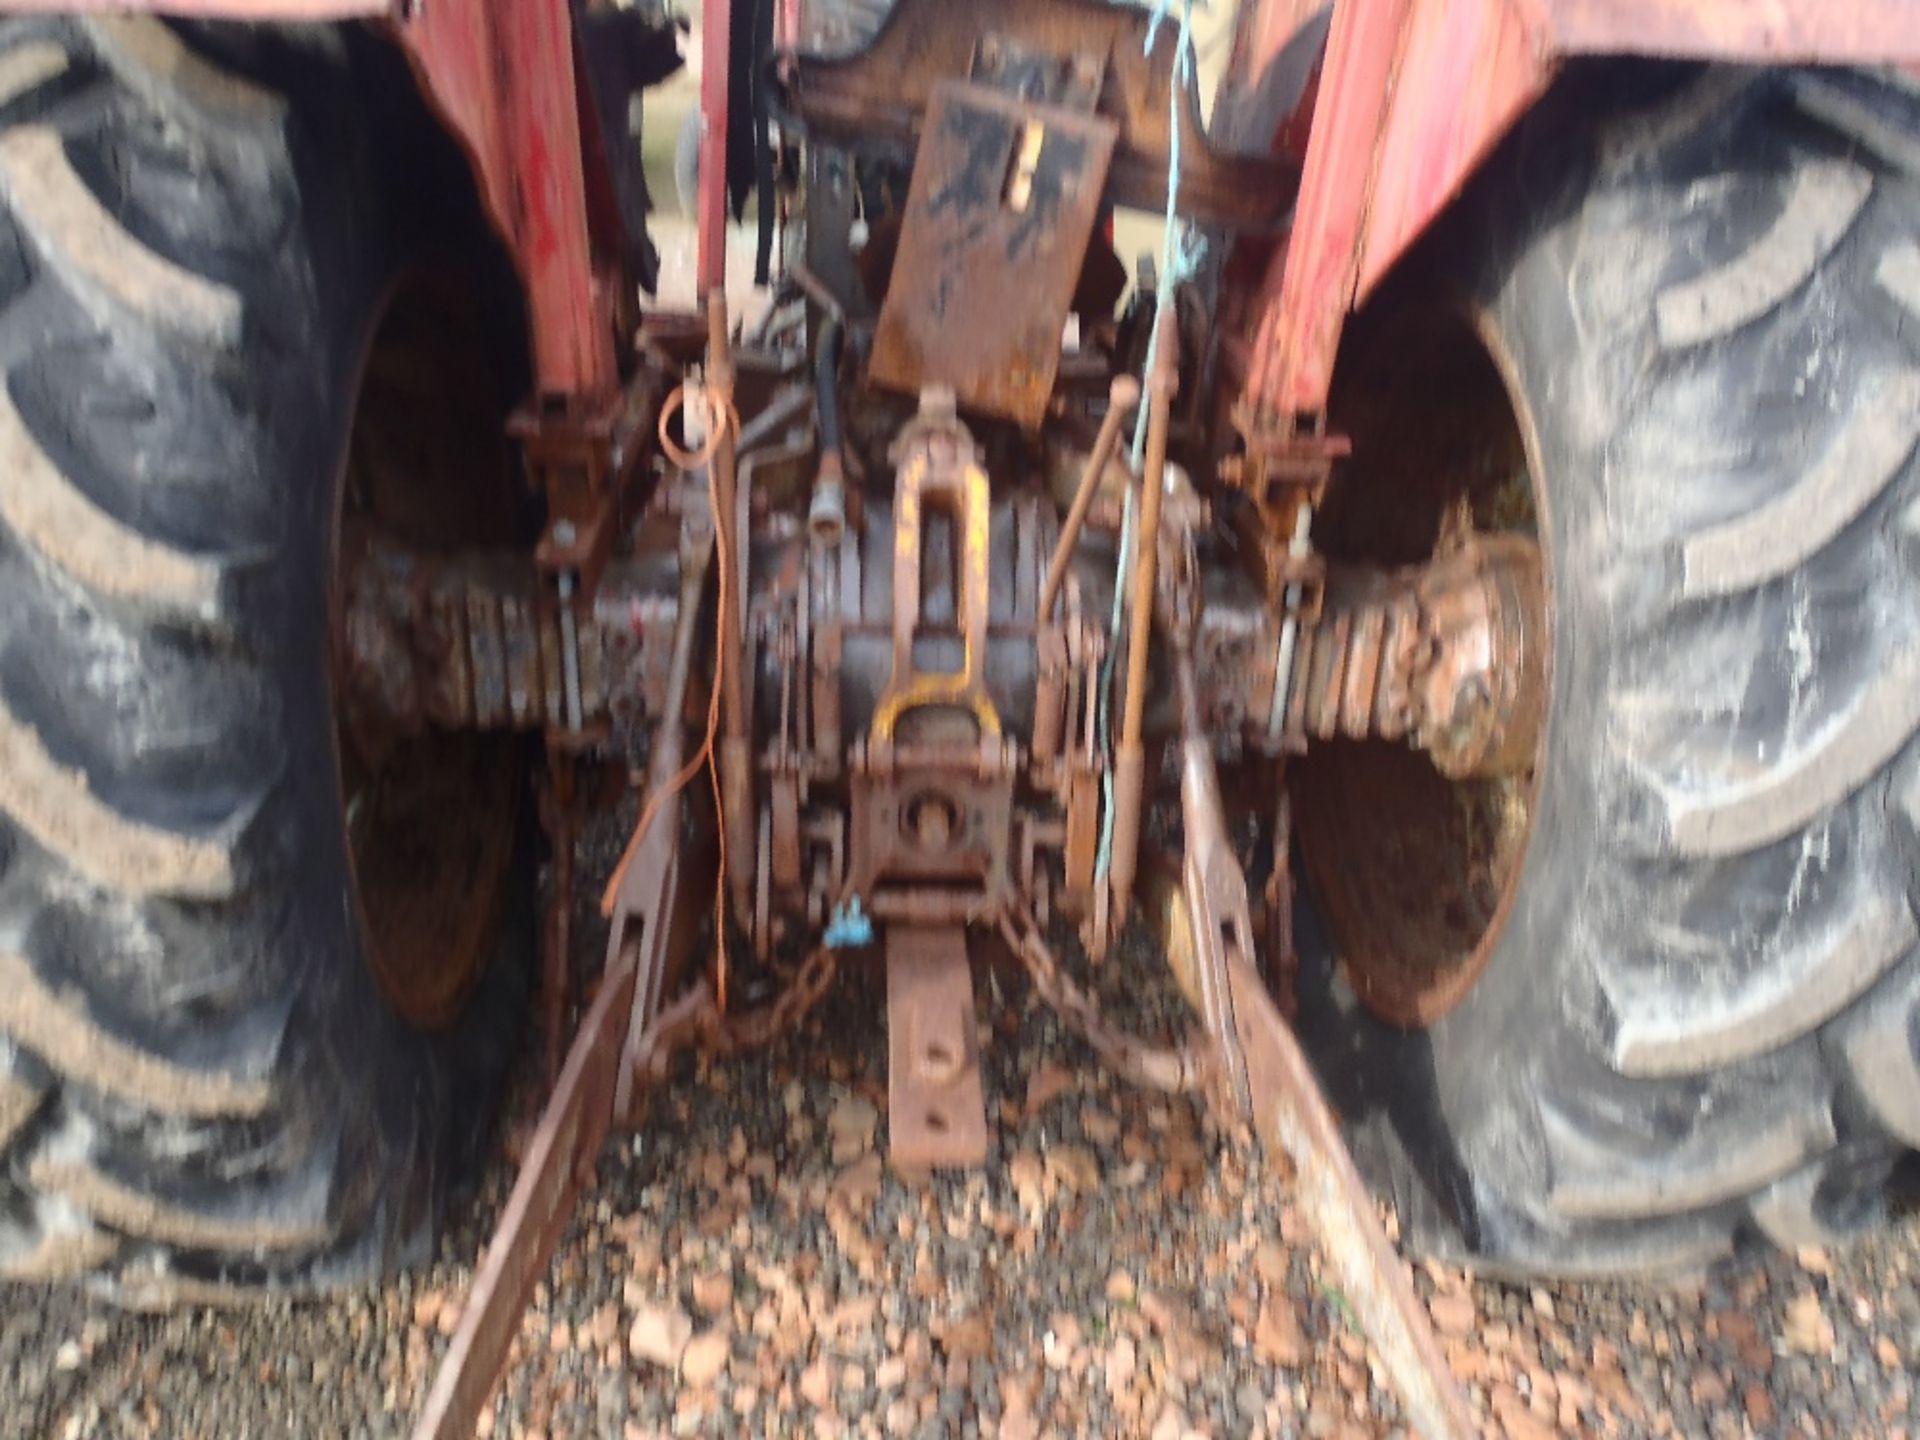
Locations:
{"points": [[644, 903], [736, 756], [1121, 398], [1291, 1115], [1131, 758], [1298, 548], [710, 203], [566, 1142]]}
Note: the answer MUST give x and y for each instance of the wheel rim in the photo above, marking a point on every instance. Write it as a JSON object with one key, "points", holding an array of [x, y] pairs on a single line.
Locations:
{"points": [[429, 815], [1417, 873]]}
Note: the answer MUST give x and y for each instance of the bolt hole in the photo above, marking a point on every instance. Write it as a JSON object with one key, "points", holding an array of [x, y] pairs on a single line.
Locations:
{"points": [[938, 1053], [937, 1121]]}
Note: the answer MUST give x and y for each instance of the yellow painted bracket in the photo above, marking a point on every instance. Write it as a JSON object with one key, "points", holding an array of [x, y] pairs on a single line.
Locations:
{"points": [[963, 490]]}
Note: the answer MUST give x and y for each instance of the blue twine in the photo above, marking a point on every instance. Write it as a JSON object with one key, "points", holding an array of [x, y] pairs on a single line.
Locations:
{"points": [[1180, 257]]}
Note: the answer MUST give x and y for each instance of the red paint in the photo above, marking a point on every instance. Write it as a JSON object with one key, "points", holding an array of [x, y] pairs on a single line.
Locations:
{"points": [[716, 22], [1300, 328], [1467, 72], [1414, 94], [501, 73]]}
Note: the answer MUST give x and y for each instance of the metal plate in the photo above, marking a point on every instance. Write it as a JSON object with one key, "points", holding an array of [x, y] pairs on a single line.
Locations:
{"points": [[936, 1114], [991, 246]]}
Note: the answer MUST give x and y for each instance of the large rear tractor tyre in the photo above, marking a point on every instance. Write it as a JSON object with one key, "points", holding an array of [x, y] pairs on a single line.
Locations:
{"points": [[222, 1066], [1661, 996]]}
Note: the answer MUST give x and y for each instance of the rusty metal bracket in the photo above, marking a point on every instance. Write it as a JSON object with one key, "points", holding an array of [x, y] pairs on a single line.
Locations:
{"points": [[939, 468], [583, 455], [936, 1112]]}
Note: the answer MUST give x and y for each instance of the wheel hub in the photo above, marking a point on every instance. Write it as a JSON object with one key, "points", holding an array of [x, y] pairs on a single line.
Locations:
{"points": [[429, 810], [1428, 690]]}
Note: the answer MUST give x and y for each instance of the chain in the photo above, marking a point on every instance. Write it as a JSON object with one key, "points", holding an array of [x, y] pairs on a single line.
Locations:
{"points": [[753, 1029], [694, 1020], [1180, 1069]]}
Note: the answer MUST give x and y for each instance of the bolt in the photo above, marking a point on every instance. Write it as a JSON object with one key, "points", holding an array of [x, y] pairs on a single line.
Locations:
{"points": [[564, 533]]}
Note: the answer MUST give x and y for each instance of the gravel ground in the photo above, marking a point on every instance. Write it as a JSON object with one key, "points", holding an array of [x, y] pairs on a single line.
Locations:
{"points": [[751, 1266]]}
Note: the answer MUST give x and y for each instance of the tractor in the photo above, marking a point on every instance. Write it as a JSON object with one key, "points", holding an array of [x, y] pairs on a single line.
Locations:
{"points": [[1493, 495]]}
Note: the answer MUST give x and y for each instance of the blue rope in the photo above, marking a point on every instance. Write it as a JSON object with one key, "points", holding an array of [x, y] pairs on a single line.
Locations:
{"points": [[1180, 257], [848, 927]]}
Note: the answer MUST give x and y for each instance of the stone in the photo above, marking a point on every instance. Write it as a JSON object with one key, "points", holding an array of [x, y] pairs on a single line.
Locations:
{"points": [[1452, 1314], [1024, 1173], [427, 1307], [1047, 1084], [705, 1358], [850, 1126], [659, 1335], [1708, 1389], [1190, 1353], [816, 1384], [1060, 1342], [1277, 1337], [603, 1326], [1075, 1167], [1516, 1420], [856, 1188], [968, 1338], [713, 1293], [1807, 1330], [1270, 1262]]}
